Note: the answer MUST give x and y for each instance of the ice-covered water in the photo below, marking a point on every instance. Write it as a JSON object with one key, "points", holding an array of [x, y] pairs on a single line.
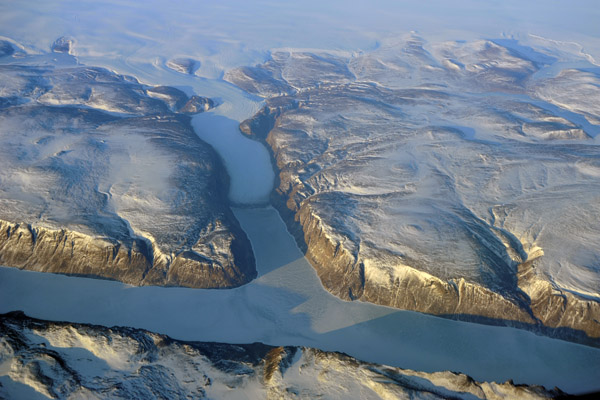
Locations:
{"points": [[247, 161]]}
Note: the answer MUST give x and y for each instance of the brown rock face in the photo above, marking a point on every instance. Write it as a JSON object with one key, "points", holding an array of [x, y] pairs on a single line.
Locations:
{"points": [[137, 262]]}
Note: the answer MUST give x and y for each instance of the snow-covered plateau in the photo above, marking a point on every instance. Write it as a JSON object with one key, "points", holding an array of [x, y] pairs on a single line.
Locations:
{"points": [[453, 178], [102, 176]]}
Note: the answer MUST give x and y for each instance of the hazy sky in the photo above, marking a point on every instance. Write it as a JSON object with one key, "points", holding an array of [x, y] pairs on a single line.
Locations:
{"points": [[228, 33]]}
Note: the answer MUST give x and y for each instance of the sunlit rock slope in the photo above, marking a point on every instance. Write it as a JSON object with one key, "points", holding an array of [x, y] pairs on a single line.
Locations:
{"points": [[102, 176], [458, 179], [40, 359]]}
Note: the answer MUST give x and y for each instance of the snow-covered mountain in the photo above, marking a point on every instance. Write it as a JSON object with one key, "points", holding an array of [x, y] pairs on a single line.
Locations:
{"points": [[41, 359]]}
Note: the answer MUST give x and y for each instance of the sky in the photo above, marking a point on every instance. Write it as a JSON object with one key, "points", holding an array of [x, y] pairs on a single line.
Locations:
{"points": [[227, 34]]}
